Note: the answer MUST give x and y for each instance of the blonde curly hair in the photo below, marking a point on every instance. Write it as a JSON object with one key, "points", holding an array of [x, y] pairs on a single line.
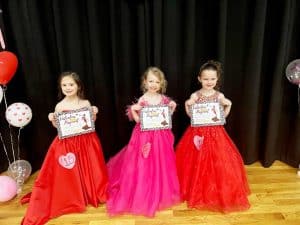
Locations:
{"points": [[159, 74]]}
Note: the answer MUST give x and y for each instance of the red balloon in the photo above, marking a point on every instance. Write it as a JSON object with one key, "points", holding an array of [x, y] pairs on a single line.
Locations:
{"points": [[8, 66]]}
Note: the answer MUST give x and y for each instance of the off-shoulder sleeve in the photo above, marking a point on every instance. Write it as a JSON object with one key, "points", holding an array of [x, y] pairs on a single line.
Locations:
{"points": [[128, 108], [166, 100], [128, 112]]}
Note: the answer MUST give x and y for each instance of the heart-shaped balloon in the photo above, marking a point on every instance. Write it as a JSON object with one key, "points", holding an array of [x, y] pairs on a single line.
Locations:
{"points": [[8, 66]]}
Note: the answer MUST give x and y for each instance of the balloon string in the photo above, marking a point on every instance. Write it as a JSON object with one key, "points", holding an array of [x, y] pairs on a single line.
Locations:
{"points": [[10, 134], [2, 40], [4, 90], [4, 147], [299, 97], [12, 143], [19, 133]]}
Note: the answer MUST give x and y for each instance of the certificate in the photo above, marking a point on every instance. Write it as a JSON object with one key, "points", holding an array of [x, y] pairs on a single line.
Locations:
{"points": [[207, 114], [155, 118], [74, 122]]}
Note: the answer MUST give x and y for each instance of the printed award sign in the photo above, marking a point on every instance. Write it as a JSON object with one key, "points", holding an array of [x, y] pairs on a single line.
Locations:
{"points": [[74, 122], [155, 118], [207, 114]]}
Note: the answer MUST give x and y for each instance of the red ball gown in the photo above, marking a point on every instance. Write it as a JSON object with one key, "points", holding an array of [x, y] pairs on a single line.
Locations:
{"points": [[210, 168], [72, 176]]}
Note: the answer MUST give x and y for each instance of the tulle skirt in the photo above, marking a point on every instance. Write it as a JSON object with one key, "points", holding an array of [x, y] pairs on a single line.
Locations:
{"points": [[143, 177], [211, 171]]}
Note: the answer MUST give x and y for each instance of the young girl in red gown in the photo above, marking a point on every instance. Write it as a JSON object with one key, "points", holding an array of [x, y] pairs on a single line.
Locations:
{"points": [[210, 169], [73, 174]]}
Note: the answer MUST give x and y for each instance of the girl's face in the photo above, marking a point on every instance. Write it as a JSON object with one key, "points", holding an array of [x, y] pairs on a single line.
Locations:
{"points": [[208, 79], [152, 83], [68, 86]]}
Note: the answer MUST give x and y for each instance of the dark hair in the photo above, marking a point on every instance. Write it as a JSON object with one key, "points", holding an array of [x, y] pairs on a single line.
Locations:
{"points": [[75, 76], [159, 74], [215, 66]]}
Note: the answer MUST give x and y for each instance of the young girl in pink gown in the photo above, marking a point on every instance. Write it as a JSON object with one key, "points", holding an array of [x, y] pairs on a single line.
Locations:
{"points": [[73, 174], [210, 169], [142, 176]]}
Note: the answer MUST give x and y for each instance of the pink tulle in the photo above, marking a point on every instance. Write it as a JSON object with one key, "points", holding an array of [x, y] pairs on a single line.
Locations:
{"points": [[143, 177]]}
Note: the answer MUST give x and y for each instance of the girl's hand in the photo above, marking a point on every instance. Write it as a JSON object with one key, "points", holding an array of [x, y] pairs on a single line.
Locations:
{"points": [[134, 111], [225, 102], [94, 112], [95, 109], [136, 107], [51, 117], [190, 102], [172, 105]]}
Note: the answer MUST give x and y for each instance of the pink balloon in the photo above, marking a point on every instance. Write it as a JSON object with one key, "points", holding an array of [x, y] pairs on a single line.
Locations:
{"points": [[8, 188]]}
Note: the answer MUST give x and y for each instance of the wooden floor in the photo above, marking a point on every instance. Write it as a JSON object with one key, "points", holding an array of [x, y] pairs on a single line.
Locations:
{"points": [[275, 200]]}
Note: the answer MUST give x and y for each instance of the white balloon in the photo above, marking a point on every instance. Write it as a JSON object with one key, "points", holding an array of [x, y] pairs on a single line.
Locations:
{"points": [[292, 72], [1, 94], [18, 114]]}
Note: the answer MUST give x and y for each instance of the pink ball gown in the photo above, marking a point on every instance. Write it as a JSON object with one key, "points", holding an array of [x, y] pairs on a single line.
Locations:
{"points": [[143, 177]]}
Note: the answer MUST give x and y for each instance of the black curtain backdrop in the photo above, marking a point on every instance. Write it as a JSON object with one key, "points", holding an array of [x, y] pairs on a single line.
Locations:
{"points": [[111, 43]]}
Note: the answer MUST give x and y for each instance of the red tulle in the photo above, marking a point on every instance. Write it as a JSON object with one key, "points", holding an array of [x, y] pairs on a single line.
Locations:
{"points": [[211, 173]]}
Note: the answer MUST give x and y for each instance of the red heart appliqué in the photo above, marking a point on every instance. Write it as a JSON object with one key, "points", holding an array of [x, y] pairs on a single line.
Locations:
{"points": [[198, 141], [67, 161], [146, 149]]}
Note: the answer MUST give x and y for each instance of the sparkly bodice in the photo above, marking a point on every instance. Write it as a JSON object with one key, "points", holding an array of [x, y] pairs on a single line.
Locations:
{"points": [[203, 99]]}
